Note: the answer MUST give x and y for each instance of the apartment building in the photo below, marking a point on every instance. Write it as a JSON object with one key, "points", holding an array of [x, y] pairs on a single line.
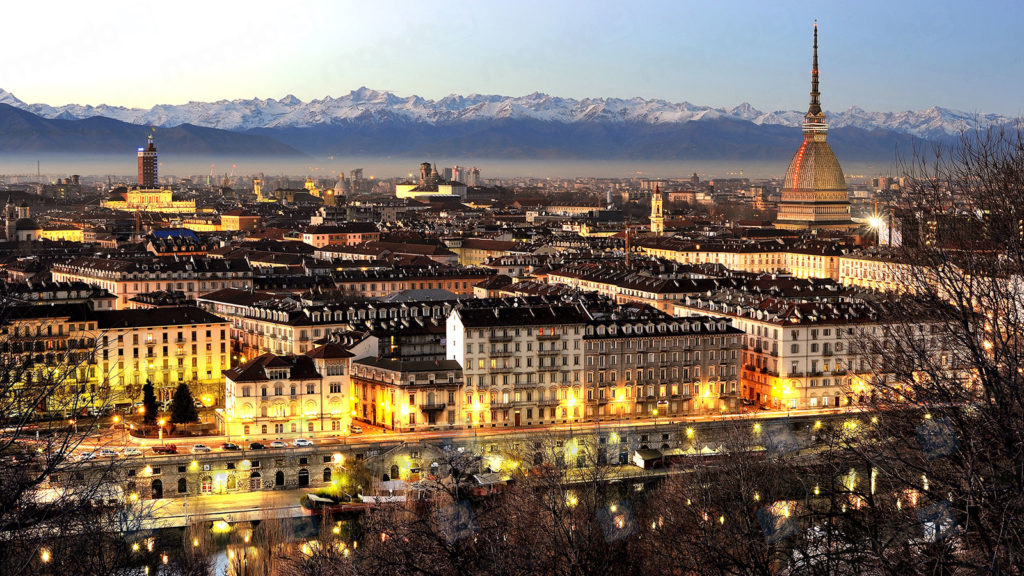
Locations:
{"points": [[126, 279], [798, 353], [407, 395], [523, 366], [106, 356], [291, 395], [643, 363]]}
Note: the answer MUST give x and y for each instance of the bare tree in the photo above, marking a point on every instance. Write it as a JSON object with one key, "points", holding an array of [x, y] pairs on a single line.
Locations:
{"points": [[949, 365]]}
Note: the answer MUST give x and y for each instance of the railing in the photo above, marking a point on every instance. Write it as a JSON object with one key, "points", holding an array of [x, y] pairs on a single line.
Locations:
{"points": [[494, 338], [548, 336]]}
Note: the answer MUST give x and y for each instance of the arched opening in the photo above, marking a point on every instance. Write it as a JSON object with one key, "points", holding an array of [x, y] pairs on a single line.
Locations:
{"points": [[255, 481], [158, 488], [182, 486], [279, 478], [206, 485], [303, 477], [232, 483], [538, 458], [327, 474], [394, 471]]}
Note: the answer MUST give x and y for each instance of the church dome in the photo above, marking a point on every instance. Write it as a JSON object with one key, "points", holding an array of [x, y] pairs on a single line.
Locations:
{"points": [[26, 224], [814, 167]]}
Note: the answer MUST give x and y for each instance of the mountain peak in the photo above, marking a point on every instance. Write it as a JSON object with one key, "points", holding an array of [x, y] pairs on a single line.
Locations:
{"points": [[366, 105], [8, 98]]}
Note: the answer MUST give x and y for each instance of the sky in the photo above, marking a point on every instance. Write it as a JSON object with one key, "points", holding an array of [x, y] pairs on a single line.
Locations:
{"points": [[885, 56]]}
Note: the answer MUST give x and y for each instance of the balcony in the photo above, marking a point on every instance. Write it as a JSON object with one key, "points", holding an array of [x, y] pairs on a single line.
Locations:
{"points": [[502, 353], [432, 407], [549, 336], [502, 369], [495, 338], [548, 352], [499, 405]]}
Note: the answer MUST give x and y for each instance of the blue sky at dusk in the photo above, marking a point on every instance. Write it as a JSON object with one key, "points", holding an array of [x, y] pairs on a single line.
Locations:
{"points": [[884, 56]]}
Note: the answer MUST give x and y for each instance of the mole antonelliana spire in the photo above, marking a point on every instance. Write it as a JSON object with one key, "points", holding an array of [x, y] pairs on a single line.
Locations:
{"points": [[814, 195]]}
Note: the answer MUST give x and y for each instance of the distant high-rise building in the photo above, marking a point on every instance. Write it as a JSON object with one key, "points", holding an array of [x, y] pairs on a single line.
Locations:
{"points": [[356, 175], [147, 165], [814, 194]]}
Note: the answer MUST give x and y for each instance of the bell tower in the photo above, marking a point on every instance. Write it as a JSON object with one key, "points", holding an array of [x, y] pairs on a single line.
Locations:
{"points": [[657, 213]]}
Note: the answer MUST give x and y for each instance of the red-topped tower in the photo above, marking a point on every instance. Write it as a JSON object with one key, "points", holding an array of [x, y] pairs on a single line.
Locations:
{"points": [[147, 165]]}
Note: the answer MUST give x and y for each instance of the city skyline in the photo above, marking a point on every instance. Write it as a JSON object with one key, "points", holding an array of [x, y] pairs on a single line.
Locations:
{"points": [[677, 52]]}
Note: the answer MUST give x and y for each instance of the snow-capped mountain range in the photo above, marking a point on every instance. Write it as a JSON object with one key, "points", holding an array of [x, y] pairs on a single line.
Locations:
{"points": [[371, 106]]}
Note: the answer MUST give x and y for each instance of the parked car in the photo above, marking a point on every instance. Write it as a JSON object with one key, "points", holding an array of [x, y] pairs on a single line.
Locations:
{"points": [[107, 453], [132, 451], [200, 449], [256, 446], [165, 449], [230, 446], [88, 455], [355, 429], [278, 444], [303, 442]]}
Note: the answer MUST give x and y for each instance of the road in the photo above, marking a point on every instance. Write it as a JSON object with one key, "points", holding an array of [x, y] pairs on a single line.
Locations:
{"points": [[117, 439]]}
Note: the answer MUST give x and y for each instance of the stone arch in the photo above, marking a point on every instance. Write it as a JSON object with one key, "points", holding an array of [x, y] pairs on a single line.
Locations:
{"points": [[279, 478], [157, 488]]}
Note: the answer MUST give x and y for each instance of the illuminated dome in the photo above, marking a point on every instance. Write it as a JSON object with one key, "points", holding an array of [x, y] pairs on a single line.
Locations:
{"points": [[814, 167]]}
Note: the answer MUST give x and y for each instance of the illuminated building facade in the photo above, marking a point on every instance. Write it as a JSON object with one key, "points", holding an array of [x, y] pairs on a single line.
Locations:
{"points": [[128, 278], [649, 364], [523, 366], [289, 396], [148, 196], [106, 356], [407, 395]]}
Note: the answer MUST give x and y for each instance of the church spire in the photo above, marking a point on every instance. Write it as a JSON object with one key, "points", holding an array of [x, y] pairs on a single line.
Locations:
{"points": [[815, 118]]}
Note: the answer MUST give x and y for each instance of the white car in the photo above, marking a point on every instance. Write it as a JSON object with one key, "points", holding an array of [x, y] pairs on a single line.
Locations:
{"points": [[88, 455], [278, 444], [200, 449], [302, 442], [132, 451], [107, 453], [355, 429]]}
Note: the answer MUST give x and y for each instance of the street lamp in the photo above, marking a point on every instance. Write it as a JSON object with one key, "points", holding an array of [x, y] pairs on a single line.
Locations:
{"points": [[161, 430]]}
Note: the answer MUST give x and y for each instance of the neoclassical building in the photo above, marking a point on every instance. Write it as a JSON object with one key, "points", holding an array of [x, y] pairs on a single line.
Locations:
{"points": [[289, 396]]}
